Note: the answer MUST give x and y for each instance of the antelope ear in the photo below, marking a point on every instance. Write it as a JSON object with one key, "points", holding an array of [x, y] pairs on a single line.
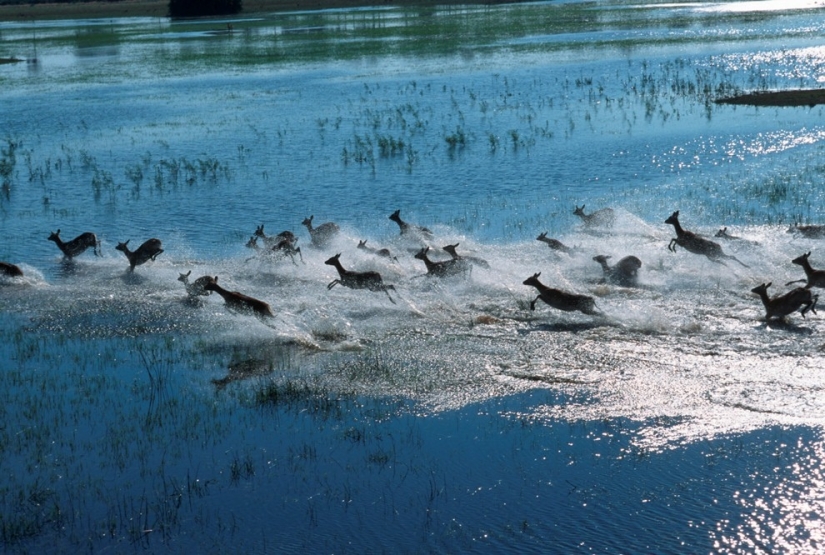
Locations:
{"points": [[768, 284], [809, 253], [536, 274]]}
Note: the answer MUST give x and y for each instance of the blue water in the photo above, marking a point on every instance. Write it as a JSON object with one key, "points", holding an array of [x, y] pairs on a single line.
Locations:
{"points": [[453, 418]]}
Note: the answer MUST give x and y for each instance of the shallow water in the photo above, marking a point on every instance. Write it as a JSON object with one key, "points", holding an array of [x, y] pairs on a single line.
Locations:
{"points": [[453, 418]]}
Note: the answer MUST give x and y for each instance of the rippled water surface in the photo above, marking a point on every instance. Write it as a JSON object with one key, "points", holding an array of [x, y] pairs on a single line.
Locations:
{"points": [[446, 415]]}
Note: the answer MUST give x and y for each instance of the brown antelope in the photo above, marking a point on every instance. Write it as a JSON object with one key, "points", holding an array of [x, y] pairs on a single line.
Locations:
{"points": [[278, 250], [451, 249], [783, 305], [815, 278], [696, 244], [322, 234], [723, 234], [358, 280], [809, 231], [76, 246], [561, 300], [385, 253], [10, 270], [196, 288], [407, 228], [442, 268], [149, 250], [274, 240], [240, 302], [554, 244], [600, 218], [624, 272]]}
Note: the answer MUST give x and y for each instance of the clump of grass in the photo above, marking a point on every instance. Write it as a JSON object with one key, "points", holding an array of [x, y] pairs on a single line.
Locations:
{"points": [[390, 146], [360, 151], [296, 395], [457, 139], [8, 160]]}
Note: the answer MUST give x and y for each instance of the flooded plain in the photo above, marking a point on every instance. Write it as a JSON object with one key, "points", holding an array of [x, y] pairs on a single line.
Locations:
{"points": [[443, 415]]}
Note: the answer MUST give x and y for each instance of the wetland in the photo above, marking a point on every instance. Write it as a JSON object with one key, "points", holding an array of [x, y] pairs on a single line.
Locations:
{"points": [[454, 418]]}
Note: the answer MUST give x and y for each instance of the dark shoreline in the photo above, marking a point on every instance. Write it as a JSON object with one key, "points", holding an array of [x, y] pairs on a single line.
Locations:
{"points": [[159, 8], [804, 97]]}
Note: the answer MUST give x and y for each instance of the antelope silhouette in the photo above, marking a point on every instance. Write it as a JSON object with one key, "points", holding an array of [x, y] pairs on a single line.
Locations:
{"points": [[474, 260], [76, 246], [358, 280], [196, 288], [407, 228], [10, 270], [561, 300], [625, 272], [442, 268], [783, 305], [814, 278], [554, 244], [600, 218], [240, 302], [323, 234], [149, 250], [696, 244]]}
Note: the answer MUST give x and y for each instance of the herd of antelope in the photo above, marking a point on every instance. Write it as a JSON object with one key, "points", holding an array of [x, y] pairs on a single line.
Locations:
{"points": [[623, 273]]}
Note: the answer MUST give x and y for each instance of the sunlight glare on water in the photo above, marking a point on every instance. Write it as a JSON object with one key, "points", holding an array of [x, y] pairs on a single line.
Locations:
{"points": [[762, 6], [786, 513]]}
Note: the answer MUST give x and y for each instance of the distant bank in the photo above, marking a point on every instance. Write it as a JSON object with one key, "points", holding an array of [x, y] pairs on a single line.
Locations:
{"points": [[159, 8]]}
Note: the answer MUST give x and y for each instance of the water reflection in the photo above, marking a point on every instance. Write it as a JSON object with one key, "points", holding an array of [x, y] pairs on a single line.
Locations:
{"points": [[782, 506]]}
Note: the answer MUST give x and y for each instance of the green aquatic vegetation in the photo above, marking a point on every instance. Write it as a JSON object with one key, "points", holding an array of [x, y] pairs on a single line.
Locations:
{"points": [[8, 160]]}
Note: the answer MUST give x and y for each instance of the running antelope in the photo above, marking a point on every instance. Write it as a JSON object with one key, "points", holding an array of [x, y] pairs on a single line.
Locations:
{"points": [[278, 250], [384, 253], [809, 231], [10, 270], [240, 302], [600, 218], [407, 228], [76, 246], [696, 244], [149, 250], [624, 272], [561, 300], [196, 288], [554, 244], [815, 278], [723, 234], [471, 259], [783, 305], [442, 268], [358, 280], [323, 234], [273, 241]]}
